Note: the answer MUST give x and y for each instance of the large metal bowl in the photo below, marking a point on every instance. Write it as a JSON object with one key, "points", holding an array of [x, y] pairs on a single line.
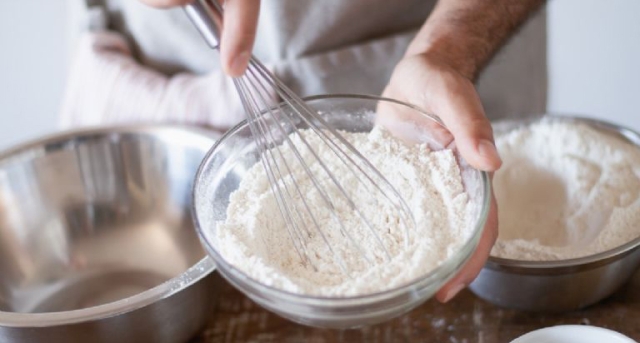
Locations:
{"points": [[96, 238], [558, 286]]}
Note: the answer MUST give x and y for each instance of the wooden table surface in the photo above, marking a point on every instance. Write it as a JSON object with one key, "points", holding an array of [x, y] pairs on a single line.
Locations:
{"points": [[465, 319]]}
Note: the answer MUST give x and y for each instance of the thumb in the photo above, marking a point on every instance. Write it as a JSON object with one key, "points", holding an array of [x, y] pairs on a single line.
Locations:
{"points": [[443, 91], [459, 107], [238, 34]]}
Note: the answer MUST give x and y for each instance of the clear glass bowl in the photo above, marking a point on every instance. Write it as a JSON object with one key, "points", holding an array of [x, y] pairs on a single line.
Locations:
{"points": [[228, 160]]}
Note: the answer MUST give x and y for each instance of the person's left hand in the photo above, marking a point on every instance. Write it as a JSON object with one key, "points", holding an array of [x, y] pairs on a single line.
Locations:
{"points": [[440, 89]]}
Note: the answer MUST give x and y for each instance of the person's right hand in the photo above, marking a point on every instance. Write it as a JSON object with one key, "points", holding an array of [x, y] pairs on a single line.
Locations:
{"points": [[238, 31]]}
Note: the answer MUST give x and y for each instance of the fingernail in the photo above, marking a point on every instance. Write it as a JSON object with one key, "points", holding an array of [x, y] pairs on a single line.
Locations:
{"points": [[240, 62], [488, 151], [453, 292]]}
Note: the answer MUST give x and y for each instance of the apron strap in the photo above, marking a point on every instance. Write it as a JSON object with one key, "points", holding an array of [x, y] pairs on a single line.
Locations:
{"points": [[91, 3], [97, 15]]}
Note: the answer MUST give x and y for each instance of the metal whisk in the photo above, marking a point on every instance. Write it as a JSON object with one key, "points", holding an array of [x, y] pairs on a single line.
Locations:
{"points": [[273, 126]]}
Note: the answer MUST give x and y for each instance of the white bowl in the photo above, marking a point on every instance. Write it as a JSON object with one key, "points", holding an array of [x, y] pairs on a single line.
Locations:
{"points": [[573, 334]]}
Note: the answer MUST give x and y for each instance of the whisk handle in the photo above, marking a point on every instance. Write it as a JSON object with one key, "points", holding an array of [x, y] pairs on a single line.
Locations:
{"points": [[206, 16]]}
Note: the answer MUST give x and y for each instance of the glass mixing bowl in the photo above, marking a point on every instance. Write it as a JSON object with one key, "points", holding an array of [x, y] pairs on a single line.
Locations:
{"points": [[230, 158]]}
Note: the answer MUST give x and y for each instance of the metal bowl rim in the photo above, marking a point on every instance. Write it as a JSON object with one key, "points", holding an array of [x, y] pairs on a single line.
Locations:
{"points": [[341, 301], [573, 264], [193, 274]]}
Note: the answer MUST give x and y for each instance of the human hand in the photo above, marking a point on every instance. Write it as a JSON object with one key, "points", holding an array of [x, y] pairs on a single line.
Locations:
{"points": [[238, 32], [440, 89]]}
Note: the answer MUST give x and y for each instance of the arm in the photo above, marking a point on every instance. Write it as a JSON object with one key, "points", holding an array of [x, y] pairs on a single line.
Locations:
{"points": [[467, 33], [437, 74]]}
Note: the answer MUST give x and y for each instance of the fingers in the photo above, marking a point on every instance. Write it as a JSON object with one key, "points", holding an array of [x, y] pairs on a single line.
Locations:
{"points": [[166, 3], [395, 118], [238, 34], [477, 260], [446, 93], [459, 107]]}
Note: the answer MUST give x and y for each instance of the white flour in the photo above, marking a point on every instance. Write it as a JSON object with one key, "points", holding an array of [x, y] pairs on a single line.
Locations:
{"points": [[565, 190], [255, 240]]}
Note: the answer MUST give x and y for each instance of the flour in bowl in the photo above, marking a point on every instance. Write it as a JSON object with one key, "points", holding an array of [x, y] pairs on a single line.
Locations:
{"points": [[255, 240], [565, 190]]}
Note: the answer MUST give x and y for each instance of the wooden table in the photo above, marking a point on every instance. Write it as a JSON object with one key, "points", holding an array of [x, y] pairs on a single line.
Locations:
{"points": [[465, 319]]}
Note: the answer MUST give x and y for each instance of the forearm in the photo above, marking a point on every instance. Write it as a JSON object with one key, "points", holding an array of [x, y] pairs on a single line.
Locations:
{"points": [[465, 34]]}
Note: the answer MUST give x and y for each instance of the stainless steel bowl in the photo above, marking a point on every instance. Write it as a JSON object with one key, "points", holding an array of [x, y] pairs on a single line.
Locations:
{"points": [[557, 286], [96, 238]]}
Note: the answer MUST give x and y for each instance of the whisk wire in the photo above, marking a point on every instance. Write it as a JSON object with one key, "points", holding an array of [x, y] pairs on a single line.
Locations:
{"points": [[273, 163], [273, 128], [275, 115], [336, 183], [264, 119], [310, 118], [284, 210]]}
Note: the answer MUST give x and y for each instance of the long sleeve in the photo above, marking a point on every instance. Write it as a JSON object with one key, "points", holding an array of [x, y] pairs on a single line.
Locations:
{"points": [[107, 86]]}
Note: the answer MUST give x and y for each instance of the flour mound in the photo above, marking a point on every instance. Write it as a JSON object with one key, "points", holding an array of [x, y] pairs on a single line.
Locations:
{"points": [[255, 239], [565, 190]]}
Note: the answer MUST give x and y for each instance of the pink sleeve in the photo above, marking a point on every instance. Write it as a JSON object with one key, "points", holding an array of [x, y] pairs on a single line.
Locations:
{"points": [[107, 86]]}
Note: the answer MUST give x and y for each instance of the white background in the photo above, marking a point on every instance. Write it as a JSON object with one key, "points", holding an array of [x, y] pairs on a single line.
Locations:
{"points": [[33, 52], [594, 57]]}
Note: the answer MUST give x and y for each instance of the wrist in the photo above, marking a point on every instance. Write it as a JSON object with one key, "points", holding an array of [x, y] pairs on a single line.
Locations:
{"points": [[465, 34], [446, 48]]}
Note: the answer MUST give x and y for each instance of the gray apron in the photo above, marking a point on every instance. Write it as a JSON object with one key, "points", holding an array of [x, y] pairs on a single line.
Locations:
{"points": [[337, 46]]}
